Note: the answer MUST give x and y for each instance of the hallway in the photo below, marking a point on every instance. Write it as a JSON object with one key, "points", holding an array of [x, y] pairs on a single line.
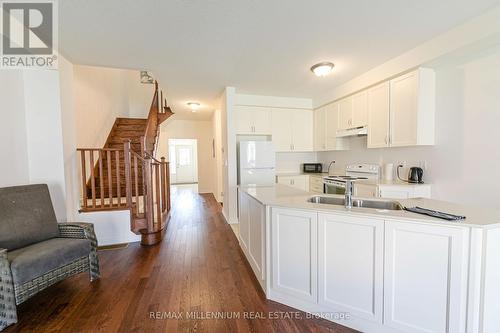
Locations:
{"points": [[198, 271]]}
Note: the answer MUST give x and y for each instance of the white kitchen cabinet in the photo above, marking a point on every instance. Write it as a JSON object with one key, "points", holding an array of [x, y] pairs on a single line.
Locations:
{"points": [[404, 191], [378, 116], [326, 123], [353, 111], [292, 130], [345, 113], [244, 221], [412, 108], [294, 253], [300, 182], [350, 265], [252, 120], [302, 124], [360, 109], [320, 127], [252, 234], [425, 277]]}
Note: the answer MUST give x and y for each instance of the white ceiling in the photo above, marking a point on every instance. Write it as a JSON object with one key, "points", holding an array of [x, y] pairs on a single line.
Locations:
{"points": [[197, 47]]}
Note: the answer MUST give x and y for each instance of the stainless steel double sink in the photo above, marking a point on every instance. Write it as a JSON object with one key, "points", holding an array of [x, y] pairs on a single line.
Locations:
{"points": [[362, 203]]}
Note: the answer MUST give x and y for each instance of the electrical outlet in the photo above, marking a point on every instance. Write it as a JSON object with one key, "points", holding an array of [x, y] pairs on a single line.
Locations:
{"points": [[403, 163]]}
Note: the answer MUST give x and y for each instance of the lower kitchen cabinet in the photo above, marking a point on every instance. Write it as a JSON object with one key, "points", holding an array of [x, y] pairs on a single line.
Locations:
{"points": [[350, 265], [252, 235], [300, 182], [405, 191], [294, 253], [425, 279]]}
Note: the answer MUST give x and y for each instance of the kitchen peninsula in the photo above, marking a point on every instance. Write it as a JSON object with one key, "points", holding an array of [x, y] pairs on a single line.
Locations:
{"points": [[374, 270]]}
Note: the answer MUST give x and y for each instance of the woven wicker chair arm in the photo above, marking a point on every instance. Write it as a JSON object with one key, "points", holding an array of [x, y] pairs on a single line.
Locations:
{"points": [[78, 230]]}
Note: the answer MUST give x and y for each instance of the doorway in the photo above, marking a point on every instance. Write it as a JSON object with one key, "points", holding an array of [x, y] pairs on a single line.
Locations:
{"points": [[183, 157]]}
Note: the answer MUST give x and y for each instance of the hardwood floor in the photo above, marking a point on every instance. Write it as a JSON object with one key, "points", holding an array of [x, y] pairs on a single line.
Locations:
{"points": [[198, 269]]}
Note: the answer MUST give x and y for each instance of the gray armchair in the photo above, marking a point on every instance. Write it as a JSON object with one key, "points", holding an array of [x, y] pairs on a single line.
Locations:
{"points": [[35, 250]]}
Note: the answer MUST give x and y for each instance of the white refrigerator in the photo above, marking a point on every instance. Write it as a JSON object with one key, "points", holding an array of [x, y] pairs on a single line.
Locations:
{"points": [[256, 163]]}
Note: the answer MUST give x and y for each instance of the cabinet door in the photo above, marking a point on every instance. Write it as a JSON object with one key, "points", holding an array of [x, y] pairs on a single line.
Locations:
{"points": [[425, 278], [302, 126], [396, 192], [378, 116], [294, 253], [285, 180], [282, 129], [262, 121], [403, 105], [257, 238], [244, 119], [244, 219], [320, 129], [332, 124], [350, 264], [301, 182], [360, 109], [345, 113]]}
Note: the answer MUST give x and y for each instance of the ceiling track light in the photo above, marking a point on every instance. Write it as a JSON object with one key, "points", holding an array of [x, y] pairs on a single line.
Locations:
{"points": [[322, 69]]}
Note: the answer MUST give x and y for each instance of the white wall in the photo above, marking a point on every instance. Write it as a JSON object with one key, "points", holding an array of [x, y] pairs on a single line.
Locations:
{"points": [[467, 149], [292, 162], [219, 163], [202, 132], [14, 169], [31, 143]]}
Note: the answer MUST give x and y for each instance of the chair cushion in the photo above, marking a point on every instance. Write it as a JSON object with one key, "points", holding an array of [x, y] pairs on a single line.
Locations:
{"points": [[26, 216], [34, 260]]}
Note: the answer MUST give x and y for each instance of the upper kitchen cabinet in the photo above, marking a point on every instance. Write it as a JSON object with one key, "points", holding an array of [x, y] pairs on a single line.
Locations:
{"points": [[359, 109], [326, 123], [353, 111], [320, 129], [292, 129], [345, 113], [412, 109], [253, 120], [378, 116]]}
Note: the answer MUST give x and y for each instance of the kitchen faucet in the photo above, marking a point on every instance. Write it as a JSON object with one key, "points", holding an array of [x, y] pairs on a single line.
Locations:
{"points": [[349, 188], [329, 166]]}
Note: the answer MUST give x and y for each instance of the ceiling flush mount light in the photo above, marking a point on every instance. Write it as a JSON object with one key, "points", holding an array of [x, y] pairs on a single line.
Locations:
{"points": [[194, 106], [322, 69]]}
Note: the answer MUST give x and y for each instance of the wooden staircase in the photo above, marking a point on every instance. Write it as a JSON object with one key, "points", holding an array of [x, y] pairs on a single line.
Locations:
{"points": [[125, 173]]}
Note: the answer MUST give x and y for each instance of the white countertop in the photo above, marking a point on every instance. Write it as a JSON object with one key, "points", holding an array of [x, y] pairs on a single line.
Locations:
{"points": [[285, 196]]}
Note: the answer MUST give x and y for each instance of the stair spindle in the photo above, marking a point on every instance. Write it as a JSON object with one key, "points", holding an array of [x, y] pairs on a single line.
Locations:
{"points": [[84, 179], [92, 176], [110, 178], [101, 179]]}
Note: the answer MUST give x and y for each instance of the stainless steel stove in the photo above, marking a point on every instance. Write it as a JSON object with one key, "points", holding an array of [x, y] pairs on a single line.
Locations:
{"points": [[335, 184]]}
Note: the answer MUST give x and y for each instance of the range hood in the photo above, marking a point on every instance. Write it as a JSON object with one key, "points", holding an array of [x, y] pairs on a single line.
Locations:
{"points": [[358, 131]]}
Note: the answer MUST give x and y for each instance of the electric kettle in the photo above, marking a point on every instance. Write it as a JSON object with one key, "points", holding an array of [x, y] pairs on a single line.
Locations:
{"points": [[415, 175]]}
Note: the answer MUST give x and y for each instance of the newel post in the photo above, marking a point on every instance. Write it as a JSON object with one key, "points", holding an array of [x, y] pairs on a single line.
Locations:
{"points": [[148, 195], [163, 170]]}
